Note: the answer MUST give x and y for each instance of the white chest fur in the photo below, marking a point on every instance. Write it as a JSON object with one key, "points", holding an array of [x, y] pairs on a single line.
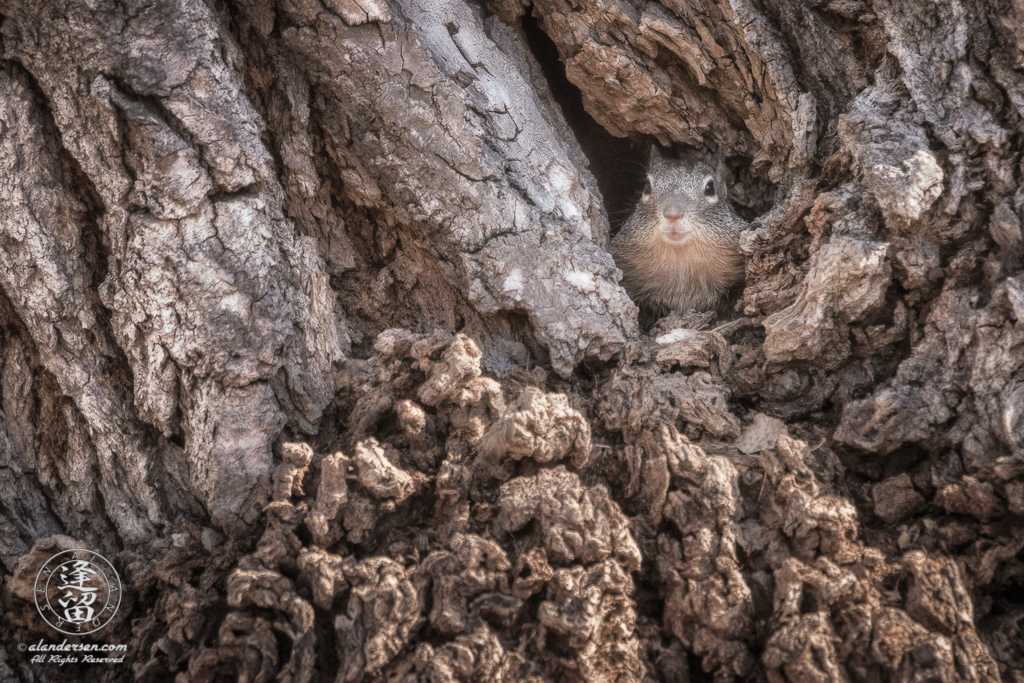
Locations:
{"points": [[693, 273]]}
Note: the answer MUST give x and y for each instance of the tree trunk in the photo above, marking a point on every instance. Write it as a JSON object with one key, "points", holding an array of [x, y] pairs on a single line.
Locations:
{"points": [[309, 327]]}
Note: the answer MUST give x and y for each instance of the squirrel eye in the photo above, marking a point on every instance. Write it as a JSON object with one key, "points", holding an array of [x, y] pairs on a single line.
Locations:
{"points": [[647, 187], [709, 188]]}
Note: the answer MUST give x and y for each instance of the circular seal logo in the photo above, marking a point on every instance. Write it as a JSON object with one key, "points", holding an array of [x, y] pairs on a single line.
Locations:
{"points": [[77, 591]]}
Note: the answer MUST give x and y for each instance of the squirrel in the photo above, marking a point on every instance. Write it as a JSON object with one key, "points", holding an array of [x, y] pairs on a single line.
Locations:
{"points": [[680, 248]]}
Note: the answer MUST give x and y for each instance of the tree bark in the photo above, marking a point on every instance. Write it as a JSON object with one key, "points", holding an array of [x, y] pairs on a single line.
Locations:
{"points": [[309, 327]]}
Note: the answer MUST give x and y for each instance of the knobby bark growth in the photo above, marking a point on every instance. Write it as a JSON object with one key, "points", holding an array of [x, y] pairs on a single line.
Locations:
{"points": [[310, 328]]}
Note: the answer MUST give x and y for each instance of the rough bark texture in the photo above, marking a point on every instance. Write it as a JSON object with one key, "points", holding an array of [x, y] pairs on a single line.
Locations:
{"points": [[307, 323]]}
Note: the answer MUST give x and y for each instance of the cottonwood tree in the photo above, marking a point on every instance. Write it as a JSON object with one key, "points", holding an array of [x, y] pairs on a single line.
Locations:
{"points": [[309, 326]]}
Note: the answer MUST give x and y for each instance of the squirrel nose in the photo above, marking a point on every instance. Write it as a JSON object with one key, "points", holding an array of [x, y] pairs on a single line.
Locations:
{"points": [[674, 211]]}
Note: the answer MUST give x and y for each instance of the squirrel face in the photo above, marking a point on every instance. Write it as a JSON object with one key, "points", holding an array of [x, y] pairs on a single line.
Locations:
{"points": [[686, 199], [680, 247]]}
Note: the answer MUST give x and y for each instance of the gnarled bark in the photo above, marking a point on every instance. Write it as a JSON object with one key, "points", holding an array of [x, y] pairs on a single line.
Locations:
{"points": [[309, 326]]}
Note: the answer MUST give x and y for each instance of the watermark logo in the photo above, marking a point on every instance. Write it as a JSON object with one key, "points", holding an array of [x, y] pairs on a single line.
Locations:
{"points": [[77, 591]]}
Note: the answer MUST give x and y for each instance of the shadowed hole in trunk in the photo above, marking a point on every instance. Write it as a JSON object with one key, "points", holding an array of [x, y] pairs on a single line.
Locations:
{"points": [[618, 164]]}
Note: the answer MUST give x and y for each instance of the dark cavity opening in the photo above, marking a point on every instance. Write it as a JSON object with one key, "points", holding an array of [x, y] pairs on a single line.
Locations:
{"points": [[618, 164]]}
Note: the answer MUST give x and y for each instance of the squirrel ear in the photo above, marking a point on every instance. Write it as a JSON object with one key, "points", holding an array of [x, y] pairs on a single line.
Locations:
{"points": [[656, 158], [717, 162]]}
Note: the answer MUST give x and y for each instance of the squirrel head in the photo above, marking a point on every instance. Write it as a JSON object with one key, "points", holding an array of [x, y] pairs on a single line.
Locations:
{"points": [[688, 200]]}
